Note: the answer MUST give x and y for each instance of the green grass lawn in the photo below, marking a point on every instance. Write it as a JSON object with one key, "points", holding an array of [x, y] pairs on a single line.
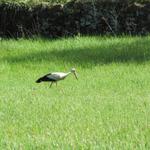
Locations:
{"points": [[107, 108]]}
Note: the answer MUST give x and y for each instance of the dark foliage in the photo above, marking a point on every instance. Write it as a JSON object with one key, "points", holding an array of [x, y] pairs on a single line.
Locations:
{"points": [[76, 17]]}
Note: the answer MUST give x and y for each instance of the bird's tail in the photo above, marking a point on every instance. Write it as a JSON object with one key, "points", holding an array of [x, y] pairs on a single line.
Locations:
{"points": [[38, 80]]}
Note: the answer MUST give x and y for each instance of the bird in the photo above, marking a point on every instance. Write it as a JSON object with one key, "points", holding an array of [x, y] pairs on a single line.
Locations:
{"points": [[54, 77]]}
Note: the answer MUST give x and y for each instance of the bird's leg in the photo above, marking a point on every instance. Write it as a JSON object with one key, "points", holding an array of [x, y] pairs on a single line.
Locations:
{"points": [[51, 84]]}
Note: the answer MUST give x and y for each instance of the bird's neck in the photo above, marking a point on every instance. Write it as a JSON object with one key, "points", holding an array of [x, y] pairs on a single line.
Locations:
{"points": [[68, 73]]}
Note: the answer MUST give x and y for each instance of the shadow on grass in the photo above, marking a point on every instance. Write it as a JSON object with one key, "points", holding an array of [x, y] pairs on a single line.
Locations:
{"points": [[136, 51]]}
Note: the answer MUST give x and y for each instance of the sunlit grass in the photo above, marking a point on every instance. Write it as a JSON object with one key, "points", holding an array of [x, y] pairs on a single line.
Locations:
{"points": [[108, 108]]}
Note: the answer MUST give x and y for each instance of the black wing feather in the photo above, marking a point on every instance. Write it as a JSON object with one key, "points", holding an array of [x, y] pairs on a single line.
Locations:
{"points": [[45, 79]]}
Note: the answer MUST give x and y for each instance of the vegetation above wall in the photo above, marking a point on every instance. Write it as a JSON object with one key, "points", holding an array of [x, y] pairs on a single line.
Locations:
{"points": [[73, 18], [53, 2], [35, 2]]}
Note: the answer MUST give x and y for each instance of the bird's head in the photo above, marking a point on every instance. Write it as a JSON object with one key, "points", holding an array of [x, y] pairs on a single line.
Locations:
{"points": [[73, 70]]}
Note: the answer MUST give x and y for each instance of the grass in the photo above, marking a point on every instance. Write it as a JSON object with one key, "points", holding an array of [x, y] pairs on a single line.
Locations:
{"points": [[108, 108]]}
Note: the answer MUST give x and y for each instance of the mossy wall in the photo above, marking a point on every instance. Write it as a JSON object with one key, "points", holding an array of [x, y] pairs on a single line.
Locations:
{"points": [[76, 17]]}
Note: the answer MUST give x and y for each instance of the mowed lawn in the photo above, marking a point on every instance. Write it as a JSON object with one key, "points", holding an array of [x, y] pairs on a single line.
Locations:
{"points": [[107, 108]]}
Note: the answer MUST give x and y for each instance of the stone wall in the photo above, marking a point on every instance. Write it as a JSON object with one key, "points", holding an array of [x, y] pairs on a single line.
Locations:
{"points": [[76, 17]]}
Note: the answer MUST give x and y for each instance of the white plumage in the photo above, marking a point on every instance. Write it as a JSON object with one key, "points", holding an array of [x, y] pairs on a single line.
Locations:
{"points": [[56, 76]]}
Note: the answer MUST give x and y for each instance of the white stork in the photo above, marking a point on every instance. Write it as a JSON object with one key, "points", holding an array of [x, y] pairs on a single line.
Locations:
{"points": [[56, 76]]}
